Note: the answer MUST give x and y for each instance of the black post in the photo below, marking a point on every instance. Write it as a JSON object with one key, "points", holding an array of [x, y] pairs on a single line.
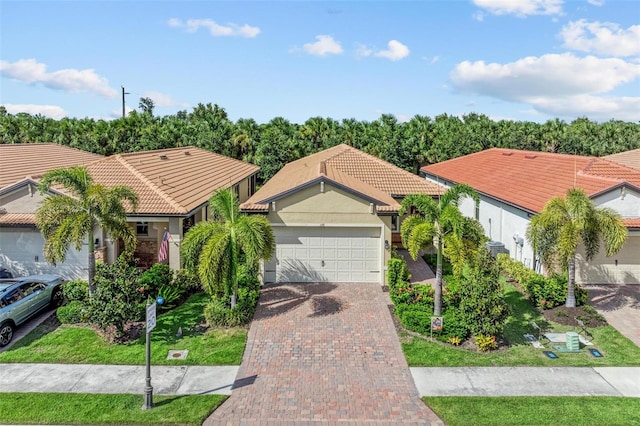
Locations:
{"points": [[123, 103], [148, 389]]}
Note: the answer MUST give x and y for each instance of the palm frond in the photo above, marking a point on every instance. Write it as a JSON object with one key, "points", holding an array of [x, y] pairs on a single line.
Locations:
{"points": [[75, 179], [421, 238]]}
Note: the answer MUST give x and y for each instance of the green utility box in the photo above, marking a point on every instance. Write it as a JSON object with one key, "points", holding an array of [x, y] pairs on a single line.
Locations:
{"points": [[573, 341]]}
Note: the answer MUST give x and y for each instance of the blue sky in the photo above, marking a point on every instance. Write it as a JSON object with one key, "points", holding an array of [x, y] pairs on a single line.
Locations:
{"points": [[509, 59]]}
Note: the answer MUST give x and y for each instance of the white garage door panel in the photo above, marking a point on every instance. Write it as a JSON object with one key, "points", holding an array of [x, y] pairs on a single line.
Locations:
{"points": [[309, 254], [21, 252]]}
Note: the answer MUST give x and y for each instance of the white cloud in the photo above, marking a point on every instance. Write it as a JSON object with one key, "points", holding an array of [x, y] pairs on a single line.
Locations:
{"points": [[563, 85], [160, 99], [52, 111], [395, 51], [363, 51], [215, 29], [325, 45], [601, 38], [117, 113], [596, 2], [69, 80], [519, 8]]}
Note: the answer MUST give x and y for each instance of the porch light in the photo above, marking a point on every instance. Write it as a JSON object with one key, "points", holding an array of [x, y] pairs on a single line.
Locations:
{"points": [[386, 244]]}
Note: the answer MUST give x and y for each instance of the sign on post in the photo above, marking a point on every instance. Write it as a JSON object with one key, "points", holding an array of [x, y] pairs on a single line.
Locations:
{"points": [[436, 324], [151, 317]]}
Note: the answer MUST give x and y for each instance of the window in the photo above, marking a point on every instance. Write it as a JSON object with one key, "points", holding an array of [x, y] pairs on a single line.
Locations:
{"points": [[142, 228], [477, 213], [395, 220], [252, 185]]}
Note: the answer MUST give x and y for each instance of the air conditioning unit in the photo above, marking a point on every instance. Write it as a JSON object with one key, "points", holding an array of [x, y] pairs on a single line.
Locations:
{"points": [[496, 247]]}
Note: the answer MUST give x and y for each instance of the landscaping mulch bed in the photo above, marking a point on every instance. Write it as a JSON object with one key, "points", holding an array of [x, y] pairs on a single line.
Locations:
{"points": [[567, 316]]}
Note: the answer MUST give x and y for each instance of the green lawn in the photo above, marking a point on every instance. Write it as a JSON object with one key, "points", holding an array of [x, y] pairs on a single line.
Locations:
{"points": [[617, 349], [69, 409], [81, 345], [533, 411]]}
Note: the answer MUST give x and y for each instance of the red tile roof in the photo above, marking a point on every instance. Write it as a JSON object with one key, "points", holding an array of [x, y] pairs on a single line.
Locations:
{"points": [[528, 179], [23, 160], [348, 167]]}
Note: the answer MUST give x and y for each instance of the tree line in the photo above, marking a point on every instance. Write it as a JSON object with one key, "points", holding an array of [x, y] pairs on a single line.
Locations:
{"points": [[421, 140]]}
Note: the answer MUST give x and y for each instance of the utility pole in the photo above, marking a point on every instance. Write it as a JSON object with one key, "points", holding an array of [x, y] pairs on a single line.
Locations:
{"points": [[123, 93]]}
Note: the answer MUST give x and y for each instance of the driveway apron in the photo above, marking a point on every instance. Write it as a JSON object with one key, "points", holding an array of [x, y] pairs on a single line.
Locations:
{"points": [[323, 352]]}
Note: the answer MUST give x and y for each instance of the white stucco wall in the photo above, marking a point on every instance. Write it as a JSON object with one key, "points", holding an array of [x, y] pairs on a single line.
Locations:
{"points": [[625, 201]]}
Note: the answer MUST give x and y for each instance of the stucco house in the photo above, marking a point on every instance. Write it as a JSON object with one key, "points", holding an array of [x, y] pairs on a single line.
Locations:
{"points": [[173, 186], [515, 185], [334, 215]]}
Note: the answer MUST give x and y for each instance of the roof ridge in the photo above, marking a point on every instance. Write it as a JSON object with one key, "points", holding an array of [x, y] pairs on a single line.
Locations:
{"points": [[149, 183]]}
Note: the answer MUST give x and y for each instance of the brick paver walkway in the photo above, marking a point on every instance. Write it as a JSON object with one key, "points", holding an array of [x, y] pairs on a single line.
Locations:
{"points": [[620, 305], [323, 353]]}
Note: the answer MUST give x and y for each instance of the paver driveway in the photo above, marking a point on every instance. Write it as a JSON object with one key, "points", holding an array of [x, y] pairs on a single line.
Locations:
{"points": [[323, 352]]}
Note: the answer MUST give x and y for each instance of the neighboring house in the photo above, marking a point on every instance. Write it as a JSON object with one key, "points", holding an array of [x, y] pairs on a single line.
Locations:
{"points": [[515, 185], [334, 215], [21, 244], [173, 186], [627, 158]]}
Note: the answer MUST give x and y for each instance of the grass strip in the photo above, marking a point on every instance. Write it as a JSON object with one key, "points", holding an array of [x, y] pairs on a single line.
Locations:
{"points": [[536, 410], [70, 344], [96, 409]]}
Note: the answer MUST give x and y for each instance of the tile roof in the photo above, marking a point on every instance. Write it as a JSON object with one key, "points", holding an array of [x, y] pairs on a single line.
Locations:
{"points": [[628, 158], [17, 218], [171, 181], [348, 167], [632, 223], [168, 182], [528, 179], [34, 159]]}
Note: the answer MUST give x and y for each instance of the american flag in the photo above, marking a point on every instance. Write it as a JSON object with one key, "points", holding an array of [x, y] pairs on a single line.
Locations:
{"points": [[164, 247]]}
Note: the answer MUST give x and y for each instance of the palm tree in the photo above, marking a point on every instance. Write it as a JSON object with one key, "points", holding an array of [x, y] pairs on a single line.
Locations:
{"points": [[564, 223], [65, 220], [214, 247], [432, 224]]}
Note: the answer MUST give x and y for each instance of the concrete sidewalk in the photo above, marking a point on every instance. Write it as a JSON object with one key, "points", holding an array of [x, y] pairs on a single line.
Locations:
{"points": [[85, 378], [527, 381], [430, 381]]}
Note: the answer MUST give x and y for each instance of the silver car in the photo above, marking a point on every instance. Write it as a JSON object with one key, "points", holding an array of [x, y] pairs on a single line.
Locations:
{"points": [[21, 298]]}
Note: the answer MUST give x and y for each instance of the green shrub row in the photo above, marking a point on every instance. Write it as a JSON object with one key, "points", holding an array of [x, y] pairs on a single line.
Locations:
{"points": [[543, 292]]}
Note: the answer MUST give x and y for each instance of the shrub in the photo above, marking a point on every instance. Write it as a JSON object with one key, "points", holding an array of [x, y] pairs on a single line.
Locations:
{"points": [[171, 295], [485, 342], [415, 318], [451, 291], [76, 290], [219, 313], [482, 305], [416, 294], [187, 280], [397, 272], [117, 299], [159, 275], [453, 326], [73, 312]]}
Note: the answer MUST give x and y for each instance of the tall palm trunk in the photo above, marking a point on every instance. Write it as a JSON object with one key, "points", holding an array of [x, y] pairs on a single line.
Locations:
{"points": [[437, 303], [91, 263], [233, 270], [571, 285]]}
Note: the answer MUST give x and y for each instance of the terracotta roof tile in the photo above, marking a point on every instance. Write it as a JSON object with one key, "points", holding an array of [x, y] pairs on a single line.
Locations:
{"points": [[171, 181], [632, 222], [529, 179], [17, 218], [628, 158], [35, 159], [349, 167]]}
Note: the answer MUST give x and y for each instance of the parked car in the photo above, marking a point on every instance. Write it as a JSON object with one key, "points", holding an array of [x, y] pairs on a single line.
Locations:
{"points": [[22, 298], [4, 273]]}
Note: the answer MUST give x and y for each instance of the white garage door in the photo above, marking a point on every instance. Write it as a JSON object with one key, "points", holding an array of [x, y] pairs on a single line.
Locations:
{"points": [[21, 252], [310, 254]]}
